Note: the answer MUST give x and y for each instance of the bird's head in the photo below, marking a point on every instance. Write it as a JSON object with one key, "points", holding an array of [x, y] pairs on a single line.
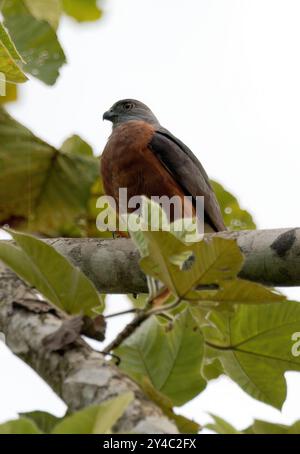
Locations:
{"points": [[129, 110]]}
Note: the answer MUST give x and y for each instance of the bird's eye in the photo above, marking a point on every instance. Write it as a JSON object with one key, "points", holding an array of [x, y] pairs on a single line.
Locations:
{"points": [[128, 106]]}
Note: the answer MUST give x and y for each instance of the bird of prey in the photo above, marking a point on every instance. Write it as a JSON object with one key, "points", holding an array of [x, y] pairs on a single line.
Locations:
{"points": [[147, 159]]}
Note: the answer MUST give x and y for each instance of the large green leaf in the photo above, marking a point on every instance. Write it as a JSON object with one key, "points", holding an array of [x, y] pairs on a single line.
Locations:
{"points": [[170, 357], [41, 188], [10, 60], [211, 262], [18, 427], [82, 10], [98, 419], [49, 10], [234, 216], [50, 273], [254, 345], [35, 39], [188, 268]]}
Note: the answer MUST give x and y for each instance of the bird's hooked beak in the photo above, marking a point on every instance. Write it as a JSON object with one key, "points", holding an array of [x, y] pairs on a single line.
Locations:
{"points": [[109, 115]]}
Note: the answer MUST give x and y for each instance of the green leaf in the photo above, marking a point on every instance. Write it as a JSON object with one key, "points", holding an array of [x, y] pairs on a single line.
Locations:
{"points": [[184, 425], [139, 301], [254, 345], [211, 369], [42, 189], [235, 218], [239, 291], [213, 261], [98, 419], [221, 426], [35, 40], [49, 10], [43, 267], [82, 10], [263, 427], [169, 356], [204, 271], [44, 421], [18, 427], [76, 145], [10, 60]]}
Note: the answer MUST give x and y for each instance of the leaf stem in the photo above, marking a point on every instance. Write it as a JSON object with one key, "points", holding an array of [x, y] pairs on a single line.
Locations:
{"points": [[141, 316]]}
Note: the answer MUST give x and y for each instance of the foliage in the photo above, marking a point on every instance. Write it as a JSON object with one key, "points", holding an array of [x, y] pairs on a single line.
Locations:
{"points": [[39, 190], [253, 343], [258, 427], [97, 419], [32, 26], [223, 324], [10, 60], [246, 327], [221, 426], [82, 10], [217, 323], [179, 347], [234, 216], [42, 267]]}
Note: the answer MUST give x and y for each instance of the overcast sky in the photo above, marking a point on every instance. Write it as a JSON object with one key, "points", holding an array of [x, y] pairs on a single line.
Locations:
{"points": [[223, 77]]}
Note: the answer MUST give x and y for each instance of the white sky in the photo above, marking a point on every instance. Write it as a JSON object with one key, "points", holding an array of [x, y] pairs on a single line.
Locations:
{"points": [[223, 77]]}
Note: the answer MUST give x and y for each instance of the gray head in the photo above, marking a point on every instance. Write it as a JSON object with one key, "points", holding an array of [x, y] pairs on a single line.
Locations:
{"points": [[128, 110]]}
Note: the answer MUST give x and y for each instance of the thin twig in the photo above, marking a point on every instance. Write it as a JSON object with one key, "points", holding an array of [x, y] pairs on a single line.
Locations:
{"points": [[141, 316], [116, 314], [127, 331]]}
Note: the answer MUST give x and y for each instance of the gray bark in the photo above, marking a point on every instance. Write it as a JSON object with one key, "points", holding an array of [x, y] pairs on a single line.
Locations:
{"points": [[78, 374], [272, 257]]}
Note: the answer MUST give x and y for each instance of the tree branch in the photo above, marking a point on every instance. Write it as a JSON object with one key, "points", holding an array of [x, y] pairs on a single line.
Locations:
{"points": [[78, 374], [272, 257], [140, 318]]}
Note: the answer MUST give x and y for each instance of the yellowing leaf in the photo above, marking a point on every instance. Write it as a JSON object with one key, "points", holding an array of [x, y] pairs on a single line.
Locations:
{"points": [[10, 93], [10, 61], [49, 10], [82, 10]]}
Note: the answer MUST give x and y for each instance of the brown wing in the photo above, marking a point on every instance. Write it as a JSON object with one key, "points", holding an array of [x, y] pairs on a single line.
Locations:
{"points": [[188, 173]]}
